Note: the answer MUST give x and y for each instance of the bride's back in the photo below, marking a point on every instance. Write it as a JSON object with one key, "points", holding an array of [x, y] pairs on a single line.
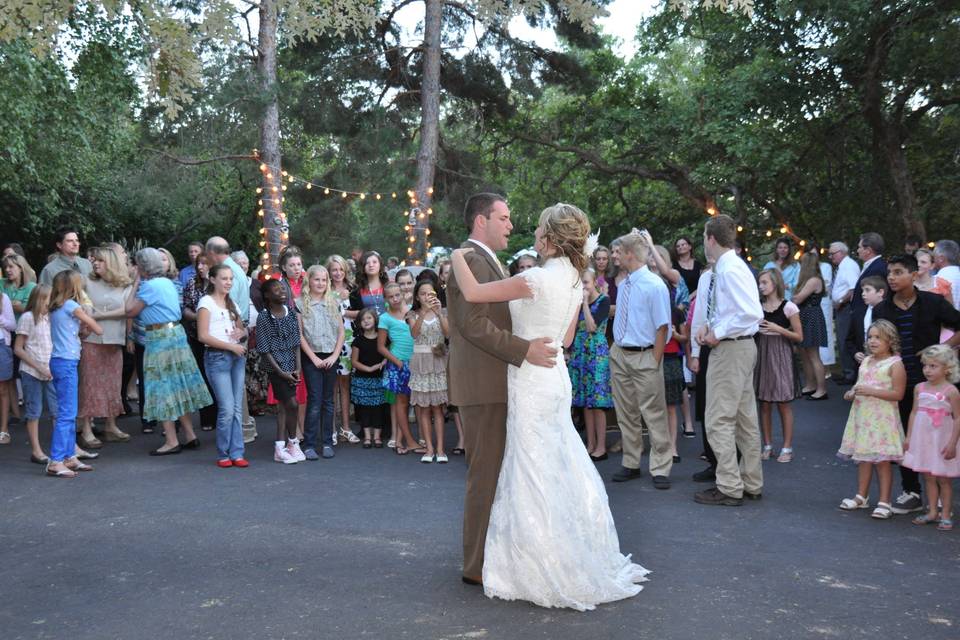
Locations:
{"points": [[557, 295]]}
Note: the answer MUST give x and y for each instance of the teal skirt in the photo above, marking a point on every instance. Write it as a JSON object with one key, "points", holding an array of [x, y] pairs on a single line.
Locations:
{"points": [[171, 380]]}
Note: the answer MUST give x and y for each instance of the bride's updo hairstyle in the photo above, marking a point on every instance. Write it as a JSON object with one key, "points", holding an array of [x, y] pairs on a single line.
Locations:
{"points": [[566, 227]]}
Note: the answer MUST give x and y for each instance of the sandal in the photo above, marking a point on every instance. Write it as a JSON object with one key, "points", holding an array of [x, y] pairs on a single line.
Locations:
{"points": [[116, 436], [62, 473], [767, 452], [882, 512], [378, 444], [92, 443], [925, 519], [854, 503], [786, 455], [367, 444], [79, 466], [457, 451], [400, 451], [945, 524], [349, 436], [4, 437]]}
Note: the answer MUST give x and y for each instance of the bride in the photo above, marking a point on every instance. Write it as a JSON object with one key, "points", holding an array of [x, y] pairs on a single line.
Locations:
{"points": [[551, 538]]}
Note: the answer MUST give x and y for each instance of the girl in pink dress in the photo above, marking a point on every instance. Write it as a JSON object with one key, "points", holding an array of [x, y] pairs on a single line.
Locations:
{"points": [[872, 436], [931, 446]]}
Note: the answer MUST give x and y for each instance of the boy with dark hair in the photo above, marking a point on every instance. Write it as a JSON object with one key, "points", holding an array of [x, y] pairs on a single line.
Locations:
{"points": [[919, 317]]}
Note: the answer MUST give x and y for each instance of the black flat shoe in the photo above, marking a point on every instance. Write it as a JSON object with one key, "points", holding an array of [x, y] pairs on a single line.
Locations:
{"points": [[34, 459], [689, 434], [676, 459], [808, 393], [193, 444], [817, 398], [457, 451], [599, 458], [169, 452]]}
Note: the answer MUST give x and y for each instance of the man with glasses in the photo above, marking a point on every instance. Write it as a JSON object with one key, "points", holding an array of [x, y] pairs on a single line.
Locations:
{"points": [[844, 282]]}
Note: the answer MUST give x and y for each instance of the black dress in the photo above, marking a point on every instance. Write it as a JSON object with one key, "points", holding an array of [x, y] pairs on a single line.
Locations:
{"points": [[691, 276], [813, 323]]}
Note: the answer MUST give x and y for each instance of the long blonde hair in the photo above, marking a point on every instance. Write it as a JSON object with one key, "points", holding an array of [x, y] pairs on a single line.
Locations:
{"points": [[67, 285], [115, 272], [172, 271], [38, 304], [347, 276], [27, 274], [329, 300]]}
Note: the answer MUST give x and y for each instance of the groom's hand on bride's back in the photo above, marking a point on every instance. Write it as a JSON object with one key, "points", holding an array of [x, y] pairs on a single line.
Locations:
{"points": [[541, 353]]}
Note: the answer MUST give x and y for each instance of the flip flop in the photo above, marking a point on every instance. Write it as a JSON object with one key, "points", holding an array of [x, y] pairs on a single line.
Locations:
{"points": [[62, 473]]}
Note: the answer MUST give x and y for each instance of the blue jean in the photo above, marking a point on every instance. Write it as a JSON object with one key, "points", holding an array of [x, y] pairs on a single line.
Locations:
{"points": [[320, 384], [35, 392], [225, 373], [66, 383]]}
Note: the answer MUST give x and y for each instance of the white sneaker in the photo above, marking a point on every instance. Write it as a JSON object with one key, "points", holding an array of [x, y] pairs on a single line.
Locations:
{"points": [[293, 448], [391, 444], [280, 454]]}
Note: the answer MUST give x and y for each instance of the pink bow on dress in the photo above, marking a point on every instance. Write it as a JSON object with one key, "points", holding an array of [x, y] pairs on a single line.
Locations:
{"points": [[936, 415]]}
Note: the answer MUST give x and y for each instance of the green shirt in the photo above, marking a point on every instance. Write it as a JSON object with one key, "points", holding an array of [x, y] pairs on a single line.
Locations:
{"points": [[21, 294]]}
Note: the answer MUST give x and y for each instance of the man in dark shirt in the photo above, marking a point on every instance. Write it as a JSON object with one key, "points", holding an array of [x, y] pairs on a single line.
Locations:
{"points": [[919, 317]]}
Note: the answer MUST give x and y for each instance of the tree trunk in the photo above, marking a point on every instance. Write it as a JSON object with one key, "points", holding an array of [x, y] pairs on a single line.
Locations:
{"points": [[899, 170], [274, 220], [429, 131]]}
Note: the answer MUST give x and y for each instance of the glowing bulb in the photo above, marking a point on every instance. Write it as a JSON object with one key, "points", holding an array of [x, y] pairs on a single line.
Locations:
{"points": [[263, 167], [797, 255], [266, 256], [326, 192], [749, 258], [394, 195], [309, 186], [411, 239], [260, 213], [406, 227], [803, 243], [259, 189], [427, 232], [378, 196], [363, 196], [283, 173], [409, 249], [274, 189], [931, 244], [429, 211], [284, 188], [430, 190], [739, 229], [783, 229], [769, 233], [263, 231], [290, 179], [343, 195], [263, 243], [269, 176]]}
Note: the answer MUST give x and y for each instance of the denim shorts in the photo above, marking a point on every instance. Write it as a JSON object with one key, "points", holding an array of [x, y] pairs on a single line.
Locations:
{"points": [[34, 393], [6, 362]]}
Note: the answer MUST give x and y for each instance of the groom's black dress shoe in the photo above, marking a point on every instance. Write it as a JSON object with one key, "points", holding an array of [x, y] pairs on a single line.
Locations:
{"points": [[661, 482], [626, 474], [472, 581]]}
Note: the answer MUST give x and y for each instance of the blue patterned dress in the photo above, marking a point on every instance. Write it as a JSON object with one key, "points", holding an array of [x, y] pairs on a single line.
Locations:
{"points": [[589, 364]]}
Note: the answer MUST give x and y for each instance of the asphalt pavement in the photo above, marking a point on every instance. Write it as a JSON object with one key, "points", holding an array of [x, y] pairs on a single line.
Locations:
{"points": [[367, 545]]}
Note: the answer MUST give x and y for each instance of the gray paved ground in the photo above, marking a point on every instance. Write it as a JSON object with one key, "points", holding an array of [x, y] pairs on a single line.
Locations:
{"points": [[367, 545]]}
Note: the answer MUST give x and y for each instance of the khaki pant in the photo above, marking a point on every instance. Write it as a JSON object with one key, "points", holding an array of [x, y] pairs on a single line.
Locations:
{"points": [[484, 438], [637, 383], [731, 417]]}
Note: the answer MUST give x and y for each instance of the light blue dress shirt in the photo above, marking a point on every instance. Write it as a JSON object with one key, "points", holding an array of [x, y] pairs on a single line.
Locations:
{"points": [[647, 308]]}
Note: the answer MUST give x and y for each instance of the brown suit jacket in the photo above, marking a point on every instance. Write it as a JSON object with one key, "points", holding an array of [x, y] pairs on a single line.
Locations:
{"points": [[481, 342]]}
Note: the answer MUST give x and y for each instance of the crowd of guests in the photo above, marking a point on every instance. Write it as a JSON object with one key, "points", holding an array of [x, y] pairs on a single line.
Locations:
{"points": [[663, 340]]}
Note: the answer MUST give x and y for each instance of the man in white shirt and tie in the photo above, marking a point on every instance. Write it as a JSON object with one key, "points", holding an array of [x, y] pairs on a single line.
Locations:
{"points": [[641, 328], [848, 272], [733, 317]]}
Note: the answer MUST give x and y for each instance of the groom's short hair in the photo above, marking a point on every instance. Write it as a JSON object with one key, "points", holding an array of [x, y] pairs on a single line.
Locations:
{"points": [[480, 204]]}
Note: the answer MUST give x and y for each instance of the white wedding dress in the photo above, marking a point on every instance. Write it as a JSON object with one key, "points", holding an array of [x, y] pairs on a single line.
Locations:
{"points": [[551, 538]]}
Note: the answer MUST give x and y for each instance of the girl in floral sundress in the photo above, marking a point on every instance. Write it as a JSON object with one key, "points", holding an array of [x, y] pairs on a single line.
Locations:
{"points": [[872, 436], [931, 446], [428, 367], [589, 365]]}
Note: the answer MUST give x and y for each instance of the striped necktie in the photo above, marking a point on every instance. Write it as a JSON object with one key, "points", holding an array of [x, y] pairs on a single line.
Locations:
{"points": [[620, 319], [712, 298]]}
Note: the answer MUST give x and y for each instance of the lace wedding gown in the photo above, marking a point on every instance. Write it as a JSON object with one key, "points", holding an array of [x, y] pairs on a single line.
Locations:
{"points": [[551, 538]]}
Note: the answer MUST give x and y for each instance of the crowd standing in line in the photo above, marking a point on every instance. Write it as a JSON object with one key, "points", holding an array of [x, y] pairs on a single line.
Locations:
{"points": [[653, 326]]}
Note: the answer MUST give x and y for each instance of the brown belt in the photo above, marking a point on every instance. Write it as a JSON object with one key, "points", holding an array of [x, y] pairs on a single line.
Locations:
{"points": [[161, 325]]}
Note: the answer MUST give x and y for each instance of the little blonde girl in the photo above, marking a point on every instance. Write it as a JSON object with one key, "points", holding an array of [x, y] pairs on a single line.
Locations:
{"points": [[396, 374], [933, 432], [428, 367], [872, 437], [33, 347], [66, 317]]}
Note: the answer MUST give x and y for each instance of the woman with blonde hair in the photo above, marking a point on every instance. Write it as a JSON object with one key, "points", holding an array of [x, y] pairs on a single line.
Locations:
{"points": [[341, 286], [568, 553], [809, 290], [101, 360]]}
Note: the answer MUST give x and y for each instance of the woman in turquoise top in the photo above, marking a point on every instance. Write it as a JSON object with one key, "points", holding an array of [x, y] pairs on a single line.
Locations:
{"points": [[172, 383], [19, 280], [396, 375], [785, 263]]}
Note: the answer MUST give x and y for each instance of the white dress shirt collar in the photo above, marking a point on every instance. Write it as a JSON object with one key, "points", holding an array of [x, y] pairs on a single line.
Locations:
{"points": [[869, 262], [485, 248]]}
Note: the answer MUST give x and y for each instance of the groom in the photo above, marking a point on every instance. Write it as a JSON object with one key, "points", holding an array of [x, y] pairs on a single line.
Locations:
{"points": [[481, 346]]}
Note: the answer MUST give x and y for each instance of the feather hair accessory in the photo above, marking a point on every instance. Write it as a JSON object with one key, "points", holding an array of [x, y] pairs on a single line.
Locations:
{"points": [[593, 241]]}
